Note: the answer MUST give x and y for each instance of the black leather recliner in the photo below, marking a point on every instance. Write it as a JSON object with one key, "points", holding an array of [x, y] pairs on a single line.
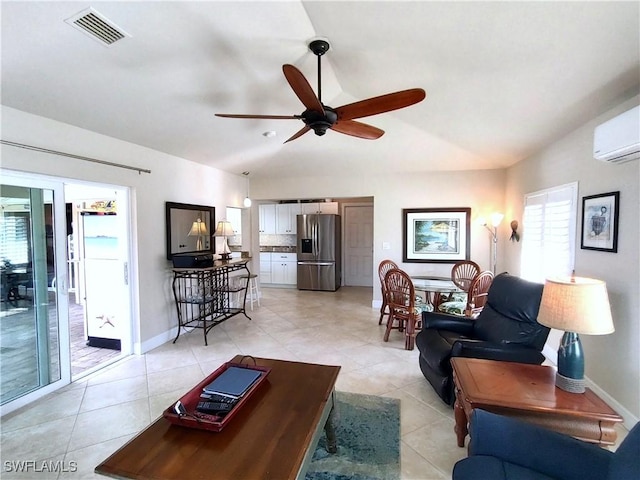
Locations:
{"points": [[507, 329]]}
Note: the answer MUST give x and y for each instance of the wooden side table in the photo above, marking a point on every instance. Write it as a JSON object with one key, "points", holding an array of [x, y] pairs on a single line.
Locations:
{"points": [[528, 392]]}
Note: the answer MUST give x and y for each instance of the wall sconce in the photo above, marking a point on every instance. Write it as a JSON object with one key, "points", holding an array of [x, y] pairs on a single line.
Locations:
{"points": [[247, 199], [198, 229], [575, 305], [515, 236], [496, 218], [224, 229]]}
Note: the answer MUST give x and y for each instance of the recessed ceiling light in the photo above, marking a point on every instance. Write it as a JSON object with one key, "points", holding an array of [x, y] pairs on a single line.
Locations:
{"points": [[269, 134]]}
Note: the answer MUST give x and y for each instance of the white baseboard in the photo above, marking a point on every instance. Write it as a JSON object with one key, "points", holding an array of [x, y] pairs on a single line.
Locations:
{"points": [[140, 348], [629, 419]]}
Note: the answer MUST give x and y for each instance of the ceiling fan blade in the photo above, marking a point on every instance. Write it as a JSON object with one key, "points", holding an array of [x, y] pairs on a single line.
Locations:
{"points": [[299, 133], [381, 104], [270, 117], [302, 89], [357, 129]]}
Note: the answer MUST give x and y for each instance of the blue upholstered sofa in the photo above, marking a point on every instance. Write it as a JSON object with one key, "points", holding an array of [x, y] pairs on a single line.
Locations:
{"points": [[503, 448]]}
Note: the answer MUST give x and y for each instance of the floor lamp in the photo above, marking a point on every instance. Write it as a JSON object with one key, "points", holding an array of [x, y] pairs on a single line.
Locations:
{"points": [[496, 218]]}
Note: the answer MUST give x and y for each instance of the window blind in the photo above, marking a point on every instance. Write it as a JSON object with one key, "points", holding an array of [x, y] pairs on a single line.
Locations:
{"points": [[549, 233], [14, 239]]}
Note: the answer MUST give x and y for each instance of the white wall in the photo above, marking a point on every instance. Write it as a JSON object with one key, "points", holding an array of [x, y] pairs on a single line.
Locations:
{"points": [[481, 190], [171, 179], [611, 361]]}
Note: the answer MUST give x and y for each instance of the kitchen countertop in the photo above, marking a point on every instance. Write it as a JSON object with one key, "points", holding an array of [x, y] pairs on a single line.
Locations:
{"points": [[282, 249]]}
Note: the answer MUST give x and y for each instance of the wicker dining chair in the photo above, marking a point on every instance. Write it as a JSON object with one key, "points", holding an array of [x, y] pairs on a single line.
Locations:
{"points": [[474, 300], [383, 268], [401, 298], [478, 291], [463, 272]]}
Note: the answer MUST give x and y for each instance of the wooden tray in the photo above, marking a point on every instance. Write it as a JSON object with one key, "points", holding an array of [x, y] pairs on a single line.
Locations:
{"points": [[213, 423]]}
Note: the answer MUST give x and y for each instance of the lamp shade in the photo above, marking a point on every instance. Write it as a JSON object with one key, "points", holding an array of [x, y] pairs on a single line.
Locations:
{"points": [[496, 218], [576, 304], [224, 229], [198, 228]]}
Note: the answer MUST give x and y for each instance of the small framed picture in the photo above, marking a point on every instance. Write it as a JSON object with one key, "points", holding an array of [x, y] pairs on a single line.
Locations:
{"points": [[600, 222]]}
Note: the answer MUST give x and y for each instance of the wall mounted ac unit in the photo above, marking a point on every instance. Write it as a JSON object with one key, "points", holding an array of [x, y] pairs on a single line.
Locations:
{"points": [[618, 140]]}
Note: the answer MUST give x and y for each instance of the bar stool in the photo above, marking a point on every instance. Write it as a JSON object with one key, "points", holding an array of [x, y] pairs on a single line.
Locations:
{"points": [[253, 292]]}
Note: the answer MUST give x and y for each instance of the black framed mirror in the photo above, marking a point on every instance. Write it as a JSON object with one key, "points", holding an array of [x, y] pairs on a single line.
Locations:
{"points": [[189, 228]]}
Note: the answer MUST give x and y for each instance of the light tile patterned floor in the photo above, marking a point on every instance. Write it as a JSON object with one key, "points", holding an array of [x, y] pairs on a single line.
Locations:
{"points": [[89, 419]]}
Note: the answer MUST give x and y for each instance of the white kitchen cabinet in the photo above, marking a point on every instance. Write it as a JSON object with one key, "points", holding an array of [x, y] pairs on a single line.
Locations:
{"points": [[321, 207], [286, 214], [234, 216], [284, 268], [267, 218], [265, 267]]}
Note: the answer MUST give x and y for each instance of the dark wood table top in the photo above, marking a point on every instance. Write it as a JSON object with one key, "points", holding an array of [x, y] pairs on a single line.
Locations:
{"points": [[266, 439], [519, 386]]}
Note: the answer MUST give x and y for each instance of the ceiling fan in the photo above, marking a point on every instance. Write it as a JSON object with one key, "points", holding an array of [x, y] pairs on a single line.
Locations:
{"points": [[319, 117]]}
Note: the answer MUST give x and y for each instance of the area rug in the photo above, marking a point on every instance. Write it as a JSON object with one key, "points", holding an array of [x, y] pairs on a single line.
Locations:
{"points": [[368, 434]]}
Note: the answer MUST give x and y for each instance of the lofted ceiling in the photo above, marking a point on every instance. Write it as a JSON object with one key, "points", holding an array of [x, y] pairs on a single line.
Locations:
{"points": [[503, 79]]}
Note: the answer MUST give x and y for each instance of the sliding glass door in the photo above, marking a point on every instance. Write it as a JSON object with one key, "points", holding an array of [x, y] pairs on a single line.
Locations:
{"points": [[34, 348]]}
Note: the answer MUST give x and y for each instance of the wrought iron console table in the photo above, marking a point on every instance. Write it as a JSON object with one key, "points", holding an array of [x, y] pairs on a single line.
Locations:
{"points": [[203, 296]]}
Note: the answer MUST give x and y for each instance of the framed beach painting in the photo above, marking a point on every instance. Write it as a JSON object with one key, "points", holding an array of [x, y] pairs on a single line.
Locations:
{"points": [[436, 235], [600, 222]]}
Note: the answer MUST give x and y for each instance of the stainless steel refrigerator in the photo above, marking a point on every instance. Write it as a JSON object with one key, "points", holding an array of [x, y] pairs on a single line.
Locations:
{"points": [[319, 252]]}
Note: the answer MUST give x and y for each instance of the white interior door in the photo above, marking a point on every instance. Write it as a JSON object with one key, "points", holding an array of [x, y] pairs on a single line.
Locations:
{"points": [[358, 246]]}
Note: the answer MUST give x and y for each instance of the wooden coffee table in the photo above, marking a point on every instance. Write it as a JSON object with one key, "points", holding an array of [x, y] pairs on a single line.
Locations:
{"points": [[528, 392], [273, 436]]}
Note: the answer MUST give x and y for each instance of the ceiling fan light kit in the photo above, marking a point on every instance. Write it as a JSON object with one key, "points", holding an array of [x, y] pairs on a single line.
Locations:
{"points": [[320, 118]]}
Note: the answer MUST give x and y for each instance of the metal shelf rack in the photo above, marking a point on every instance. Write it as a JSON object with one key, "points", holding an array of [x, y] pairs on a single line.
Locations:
{"points": [[203, 296]]}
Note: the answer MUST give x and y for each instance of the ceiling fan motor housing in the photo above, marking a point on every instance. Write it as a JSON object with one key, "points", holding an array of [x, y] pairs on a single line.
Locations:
{"points": [[319, 47], [319, 122]]}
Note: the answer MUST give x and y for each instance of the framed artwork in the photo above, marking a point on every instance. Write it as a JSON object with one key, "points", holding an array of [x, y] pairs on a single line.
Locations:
{"points": [[600, 222], [436, 235]]}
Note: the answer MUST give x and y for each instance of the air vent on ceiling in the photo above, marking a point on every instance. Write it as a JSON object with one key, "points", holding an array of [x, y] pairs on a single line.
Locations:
{"points": [[97, 26]]}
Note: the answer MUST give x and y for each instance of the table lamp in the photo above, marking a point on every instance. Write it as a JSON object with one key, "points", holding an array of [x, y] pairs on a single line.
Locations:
{"points": [[224, 229], [576, 305], [198, 229]]}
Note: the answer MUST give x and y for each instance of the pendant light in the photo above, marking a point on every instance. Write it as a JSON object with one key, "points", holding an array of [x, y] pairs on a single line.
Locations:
{"points": [[247, 199]]}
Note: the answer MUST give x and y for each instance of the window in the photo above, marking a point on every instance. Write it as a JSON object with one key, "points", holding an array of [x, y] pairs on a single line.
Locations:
{"points": [[14, 233], [549, 232]]}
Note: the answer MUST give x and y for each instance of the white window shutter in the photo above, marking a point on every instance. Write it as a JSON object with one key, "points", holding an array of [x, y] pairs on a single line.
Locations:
{"points": [[549, 233]]}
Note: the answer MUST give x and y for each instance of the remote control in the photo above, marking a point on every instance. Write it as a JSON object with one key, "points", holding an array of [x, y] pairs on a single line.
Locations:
{"points": [[213, 407], [214, 397]]}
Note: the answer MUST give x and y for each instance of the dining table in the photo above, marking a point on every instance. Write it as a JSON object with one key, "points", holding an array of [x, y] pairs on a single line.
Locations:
{"points": [[435, 288]]}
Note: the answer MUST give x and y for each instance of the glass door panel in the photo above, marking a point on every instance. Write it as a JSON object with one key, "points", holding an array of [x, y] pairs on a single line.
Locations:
{"points": [[29, 318]]}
